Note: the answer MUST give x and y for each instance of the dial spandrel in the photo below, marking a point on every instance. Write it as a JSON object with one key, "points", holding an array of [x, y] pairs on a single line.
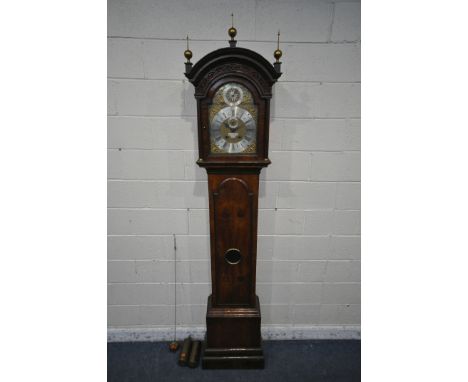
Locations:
{"points": [[233, 120]]}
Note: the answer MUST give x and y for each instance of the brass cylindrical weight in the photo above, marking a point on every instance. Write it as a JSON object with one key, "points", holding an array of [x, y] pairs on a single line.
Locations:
{"points": [[194, 354], [184, 353]]}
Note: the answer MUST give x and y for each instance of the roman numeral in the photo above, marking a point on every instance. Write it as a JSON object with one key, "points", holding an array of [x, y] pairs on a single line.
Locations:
{"points": [[246, 116]]}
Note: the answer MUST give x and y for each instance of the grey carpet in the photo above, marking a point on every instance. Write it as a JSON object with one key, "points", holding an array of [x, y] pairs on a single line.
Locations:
{"points": [[298, 361]]}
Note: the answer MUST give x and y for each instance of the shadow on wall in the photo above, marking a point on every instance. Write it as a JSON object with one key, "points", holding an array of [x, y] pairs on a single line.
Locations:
{"points": [[192, 170], [267, 293]]}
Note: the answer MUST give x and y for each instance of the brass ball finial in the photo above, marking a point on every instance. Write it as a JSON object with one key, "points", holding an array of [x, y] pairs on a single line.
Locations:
{"points": [[278, 53], [188, 55], [188, 52], [232, 31]]}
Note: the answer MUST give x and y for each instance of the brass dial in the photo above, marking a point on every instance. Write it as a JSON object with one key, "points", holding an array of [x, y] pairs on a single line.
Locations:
{"points": [[233, 115]]}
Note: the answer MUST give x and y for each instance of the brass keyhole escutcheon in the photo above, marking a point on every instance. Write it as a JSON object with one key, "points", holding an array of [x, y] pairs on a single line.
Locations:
{"points": [[232, 256]]}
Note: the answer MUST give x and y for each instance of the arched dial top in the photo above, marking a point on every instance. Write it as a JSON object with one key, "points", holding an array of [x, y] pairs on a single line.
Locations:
{"points": [[233, 120]]}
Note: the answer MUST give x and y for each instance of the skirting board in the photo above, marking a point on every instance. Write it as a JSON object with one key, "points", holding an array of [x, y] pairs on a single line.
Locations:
{"points": [[272, 332]]}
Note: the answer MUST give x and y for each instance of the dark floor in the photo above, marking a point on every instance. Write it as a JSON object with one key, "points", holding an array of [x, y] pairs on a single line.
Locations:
{"points": [[298, 361]]}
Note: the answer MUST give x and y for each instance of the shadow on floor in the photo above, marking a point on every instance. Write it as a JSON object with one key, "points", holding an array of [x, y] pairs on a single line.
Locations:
{"points": [[298, 361]]}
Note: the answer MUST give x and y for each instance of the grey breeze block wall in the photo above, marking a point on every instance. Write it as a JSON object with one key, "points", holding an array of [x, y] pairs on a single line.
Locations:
{"points": [[308, 270]]}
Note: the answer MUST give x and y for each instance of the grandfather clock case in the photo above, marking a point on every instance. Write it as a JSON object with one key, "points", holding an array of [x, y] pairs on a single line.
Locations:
{"points": [[233, 91]]}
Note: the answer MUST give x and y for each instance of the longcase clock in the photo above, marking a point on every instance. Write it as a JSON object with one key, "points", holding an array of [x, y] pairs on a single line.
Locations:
{"points": [[233, 91]]}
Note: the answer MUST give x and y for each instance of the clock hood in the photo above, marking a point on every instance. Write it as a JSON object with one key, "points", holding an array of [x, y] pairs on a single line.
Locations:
{"points": [[232, 61]]}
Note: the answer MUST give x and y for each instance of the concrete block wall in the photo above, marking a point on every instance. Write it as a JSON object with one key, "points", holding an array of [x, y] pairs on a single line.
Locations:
{"points": [[309, 219]]}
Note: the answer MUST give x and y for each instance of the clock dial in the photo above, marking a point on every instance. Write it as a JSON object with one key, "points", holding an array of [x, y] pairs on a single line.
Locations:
{"points": [[232, 94], [233, 129], [233, 115]]}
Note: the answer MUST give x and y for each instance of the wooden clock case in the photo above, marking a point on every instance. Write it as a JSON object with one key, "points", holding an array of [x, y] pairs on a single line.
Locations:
{"points": [[233, 338]]}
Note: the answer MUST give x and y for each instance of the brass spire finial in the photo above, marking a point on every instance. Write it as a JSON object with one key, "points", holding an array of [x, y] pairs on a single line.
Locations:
{"points": [[278, 53], [188, 52], [232, 31]]}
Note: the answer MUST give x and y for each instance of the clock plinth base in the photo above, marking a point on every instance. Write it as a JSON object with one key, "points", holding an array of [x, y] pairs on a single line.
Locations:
{"points": [[233, 339], [233, 359]]}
